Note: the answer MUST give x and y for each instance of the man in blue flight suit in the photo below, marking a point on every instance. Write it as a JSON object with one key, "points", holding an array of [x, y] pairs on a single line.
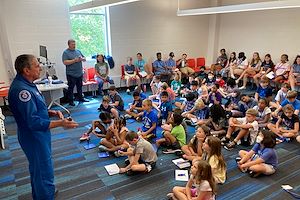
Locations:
{"points": [[32, 117]]}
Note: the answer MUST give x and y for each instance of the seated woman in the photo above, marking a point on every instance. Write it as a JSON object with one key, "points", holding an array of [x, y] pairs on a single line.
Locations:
{"points": [[142, 67], [251, 70], [232, 61], [262, 159], [101, 73], [266, 66], [281, 70], [240, 66], [295, 73]]}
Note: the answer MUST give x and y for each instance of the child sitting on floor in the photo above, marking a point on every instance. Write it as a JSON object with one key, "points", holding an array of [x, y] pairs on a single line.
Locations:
{"points": [[165, 107], [287, 125], [141, 155], [264, 113], [199, 114], [264, 90], [136, 106], [201, 184], [188, 104], [213, 155], [115, 137], [214, 96], [150, 120], [246, 103], [218, 120], [155, 85], [174, 139], [176, 83], [102, 124], [262, 159], [105, 107], [194, 148], [280, 96], [247, 127], [116, 99]]}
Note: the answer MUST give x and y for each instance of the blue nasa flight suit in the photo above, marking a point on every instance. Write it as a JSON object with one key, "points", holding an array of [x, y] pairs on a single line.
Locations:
{"points": [[31, 114]]}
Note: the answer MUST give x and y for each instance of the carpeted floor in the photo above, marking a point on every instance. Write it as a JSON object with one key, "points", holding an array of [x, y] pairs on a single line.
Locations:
{"points": [[80, 174]]}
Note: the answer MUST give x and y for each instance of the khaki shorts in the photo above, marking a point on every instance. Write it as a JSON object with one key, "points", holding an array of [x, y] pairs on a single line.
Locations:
{"points": [[126, 77], [187, 70], [269, 169]]}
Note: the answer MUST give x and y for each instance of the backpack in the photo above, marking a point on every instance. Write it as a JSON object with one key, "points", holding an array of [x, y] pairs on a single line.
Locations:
{"points": [[110, 61]]}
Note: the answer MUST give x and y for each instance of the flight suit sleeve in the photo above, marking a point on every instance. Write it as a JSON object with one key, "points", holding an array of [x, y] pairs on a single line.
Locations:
{"points": [[32, 110]]}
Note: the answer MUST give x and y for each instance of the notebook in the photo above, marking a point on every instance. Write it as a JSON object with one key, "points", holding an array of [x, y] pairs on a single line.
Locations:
{"points": [[112, 169], [181, 163]]}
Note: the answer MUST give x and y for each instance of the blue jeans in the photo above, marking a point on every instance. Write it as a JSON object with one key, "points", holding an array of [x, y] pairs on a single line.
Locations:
{"points": [[101, 81]]}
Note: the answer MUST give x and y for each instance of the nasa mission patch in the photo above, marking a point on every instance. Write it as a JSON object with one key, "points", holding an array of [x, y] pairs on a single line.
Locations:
{"points": [[24, 96]]}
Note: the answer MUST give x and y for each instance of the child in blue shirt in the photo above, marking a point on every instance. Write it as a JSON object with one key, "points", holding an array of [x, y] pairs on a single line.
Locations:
{"points": [[176, 84], [262, 159], [165, 108], [150, 120], [264, 90]]}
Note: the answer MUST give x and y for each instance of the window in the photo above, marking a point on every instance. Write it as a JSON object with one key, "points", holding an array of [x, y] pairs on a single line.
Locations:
{"points": [[89, 29]]}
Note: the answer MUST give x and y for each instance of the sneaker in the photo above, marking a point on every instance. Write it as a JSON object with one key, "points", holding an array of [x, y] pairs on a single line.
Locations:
{"points": [[127, 116], [72, 104], [230, 145], [238, 159], [225, 140], [102, 148], [101, 93], [84, 137], [237, 81], [170, 195], [128, 91], [242, 88]]}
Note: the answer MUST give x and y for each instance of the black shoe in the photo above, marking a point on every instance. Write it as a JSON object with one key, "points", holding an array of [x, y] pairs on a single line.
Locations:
{"points": [[56, 193], [72, 104], [127, 162], [83, 100], [99, 108], [253, 174], [130, 173], [225, 141]]}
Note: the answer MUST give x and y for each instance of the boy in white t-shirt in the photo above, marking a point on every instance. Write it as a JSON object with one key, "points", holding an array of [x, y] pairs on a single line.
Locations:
{"points": [[247, 126], [280, 96]]}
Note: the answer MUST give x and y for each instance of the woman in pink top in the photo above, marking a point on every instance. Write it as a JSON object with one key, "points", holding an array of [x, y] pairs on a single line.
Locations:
{"points": [[282, 69]]}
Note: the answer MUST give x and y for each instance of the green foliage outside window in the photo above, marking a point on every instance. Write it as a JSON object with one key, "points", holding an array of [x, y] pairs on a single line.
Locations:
{"points": [[89, 29]]}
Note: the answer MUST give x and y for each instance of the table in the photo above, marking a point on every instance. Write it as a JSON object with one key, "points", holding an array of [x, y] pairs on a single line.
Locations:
{"points": [[55, 92]]}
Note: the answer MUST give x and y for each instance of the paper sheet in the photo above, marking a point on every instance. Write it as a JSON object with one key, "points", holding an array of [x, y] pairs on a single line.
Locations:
{"points": [[181, 175], [112, 169]]}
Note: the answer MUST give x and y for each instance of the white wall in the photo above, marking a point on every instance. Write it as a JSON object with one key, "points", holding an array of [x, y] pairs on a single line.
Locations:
{"points": [[33, 22], [274, 31], [152, 26]]}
